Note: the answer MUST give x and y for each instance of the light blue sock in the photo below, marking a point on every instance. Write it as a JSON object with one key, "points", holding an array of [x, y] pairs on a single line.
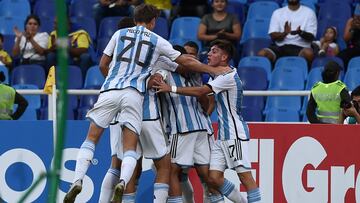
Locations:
{"points": [[175, 199], [216, 198], [254, 195], [129, 198]]}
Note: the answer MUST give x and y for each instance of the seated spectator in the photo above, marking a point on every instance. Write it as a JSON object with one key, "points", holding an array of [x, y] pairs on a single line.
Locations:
{"points": [[327, 45], [326, 97], [9, 97], [352, 38], [219, 25], [292, 28], [107, 8], [79, 43], [31, 45], [350, 113], [5, 59]]}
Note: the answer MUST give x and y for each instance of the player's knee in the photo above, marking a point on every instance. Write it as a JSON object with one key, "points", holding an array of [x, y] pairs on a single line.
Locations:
{"points": [[215, 182]]}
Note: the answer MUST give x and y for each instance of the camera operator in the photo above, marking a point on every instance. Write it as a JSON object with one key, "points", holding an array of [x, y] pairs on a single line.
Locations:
{"points": [[350, 113], [352, 39], [326, 97]]}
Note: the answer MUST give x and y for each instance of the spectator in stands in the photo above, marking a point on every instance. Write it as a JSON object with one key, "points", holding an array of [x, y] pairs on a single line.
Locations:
{"points": [[219, 25], [79, 43], [352, 38], [9, 97], [292, 28], [107, 8], [326, 97], [327, 45], [189, 8], [31, 44], [351, 113], [5, 59]]}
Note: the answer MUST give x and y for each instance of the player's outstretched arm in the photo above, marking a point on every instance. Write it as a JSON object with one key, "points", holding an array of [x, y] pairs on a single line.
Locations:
{"points": [[104, 64], [194, 65], [189, 91]]}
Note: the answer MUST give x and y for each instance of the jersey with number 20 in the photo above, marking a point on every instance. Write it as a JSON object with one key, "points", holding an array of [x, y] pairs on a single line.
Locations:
{"points": [[134, 50]]}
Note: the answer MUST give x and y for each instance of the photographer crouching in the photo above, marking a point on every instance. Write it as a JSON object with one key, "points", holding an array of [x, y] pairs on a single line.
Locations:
{"points": [[324, 105], [350, 113]]}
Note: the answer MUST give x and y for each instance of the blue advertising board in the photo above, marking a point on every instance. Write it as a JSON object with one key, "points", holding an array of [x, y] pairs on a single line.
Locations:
{"points": [[26, 151]]}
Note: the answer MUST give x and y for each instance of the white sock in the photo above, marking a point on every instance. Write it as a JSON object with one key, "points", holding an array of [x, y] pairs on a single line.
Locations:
{"points": [[229, 190], [161, 192], [187, 189], [83, 159], [128, 165], [175, 199], [107, 187], [129, 198]]}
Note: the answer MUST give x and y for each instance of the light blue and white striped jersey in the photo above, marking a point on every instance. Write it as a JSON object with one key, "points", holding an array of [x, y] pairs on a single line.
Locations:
{"points": [[184, 113], [150, 105], [134, 51], [228, 91]]}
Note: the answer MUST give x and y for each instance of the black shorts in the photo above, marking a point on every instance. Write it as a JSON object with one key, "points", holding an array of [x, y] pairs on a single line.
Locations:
{"points": [[285, 50]]}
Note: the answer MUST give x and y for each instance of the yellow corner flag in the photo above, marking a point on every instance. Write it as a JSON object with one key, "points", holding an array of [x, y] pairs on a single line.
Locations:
{"points": [[50, 81]]}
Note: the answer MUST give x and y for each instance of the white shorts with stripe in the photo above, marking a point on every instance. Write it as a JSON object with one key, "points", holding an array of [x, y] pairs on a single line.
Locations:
{"points": [[152, 142], [127, 102], [233, 154], [190, 148], [116, 142]]}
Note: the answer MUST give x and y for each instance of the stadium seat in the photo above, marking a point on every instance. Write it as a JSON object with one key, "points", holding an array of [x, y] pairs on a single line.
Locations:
{"points": [[28, 74], [93, 79], [282, 115], [250, 82], [7, 25], [238, 8], [100, 46], [352, 78], [81, 8], [162, 27], [185, 28], [252, 46], [246, 74], [44, 8], [11, 8], [5, 70], [330, 10], [277, 1], [9, 41], [313, 77], [285, 78], [258, 61], [293, 62], [251, 114], [34, 102], [322, 61], [108, 26], [256, 28], [86, 103], [261, 10], [74, 77], [47, 24], [354, 63], [85, 23]]}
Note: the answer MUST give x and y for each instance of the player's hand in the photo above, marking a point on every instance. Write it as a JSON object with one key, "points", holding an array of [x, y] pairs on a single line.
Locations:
{"points": [[219, 70], [155, 79], [350, 111], [17, 32], [162, 87], [287, 27]]}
